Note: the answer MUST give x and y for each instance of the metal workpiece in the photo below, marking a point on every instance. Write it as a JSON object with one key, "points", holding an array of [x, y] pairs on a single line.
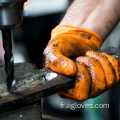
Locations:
{"points": [[31, 86], [11, 13]]}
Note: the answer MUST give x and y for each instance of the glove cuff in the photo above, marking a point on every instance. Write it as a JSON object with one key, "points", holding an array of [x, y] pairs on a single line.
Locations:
{"points": [[85, 33]]}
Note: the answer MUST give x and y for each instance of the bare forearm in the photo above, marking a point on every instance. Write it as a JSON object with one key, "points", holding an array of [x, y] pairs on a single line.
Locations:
{"points": [[100, 16]]}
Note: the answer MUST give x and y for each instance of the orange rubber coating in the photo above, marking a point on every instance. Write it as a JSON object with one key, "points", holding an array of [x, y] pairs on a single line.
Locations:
{"points": [[97, 72], [69, 42], [107, 67], [83, 84]]}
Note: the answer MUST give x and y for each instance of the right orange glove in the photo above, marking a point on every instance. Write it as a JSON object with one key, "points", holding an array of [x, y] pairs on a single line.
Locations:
{"points": [[69, 42], [95, 73]]}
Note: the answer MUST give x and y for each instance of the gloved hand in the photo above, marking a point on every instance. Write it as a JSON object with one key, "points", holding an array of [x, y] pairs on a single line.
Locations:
{"points": [[95, 73], [69, 42]]}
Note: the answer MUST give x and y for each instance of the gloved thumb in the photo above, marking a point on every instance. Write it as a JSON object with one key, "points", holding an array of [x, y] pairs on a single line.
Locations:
{"points": [[59, 63]]}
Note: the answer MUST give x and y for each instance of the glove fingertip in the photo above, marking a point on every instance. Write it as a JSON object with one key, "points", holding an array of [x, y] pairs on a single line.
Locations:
{"points": [[61, 64], [66, 67]]}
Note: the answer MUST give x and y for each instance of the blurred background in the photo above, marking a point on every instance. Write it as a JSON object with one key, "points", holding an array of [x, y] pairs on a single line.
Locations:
{"points": [[29, 41]]}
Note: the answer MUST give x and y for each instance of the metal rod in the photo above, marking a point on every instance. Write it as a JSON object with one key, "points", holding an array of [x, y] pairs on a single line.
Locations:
{"points": [[9, 60]]}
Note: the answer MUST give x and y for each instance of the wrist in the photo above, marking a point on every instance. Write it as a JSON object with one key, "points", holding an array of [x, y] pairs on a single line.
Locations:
{"points": [[93, 17]]}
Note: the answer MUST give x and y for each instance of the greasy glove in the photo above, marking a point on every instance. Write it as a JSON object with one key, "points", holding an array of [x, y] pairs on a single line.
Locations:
{"points": [[97, 72], [69, 42]]}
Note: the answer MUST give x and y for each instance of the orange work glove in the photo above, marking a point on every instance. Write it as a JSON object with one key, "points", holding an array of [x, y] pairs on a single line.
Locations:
{"points": [[69, 42], [95, 73]]}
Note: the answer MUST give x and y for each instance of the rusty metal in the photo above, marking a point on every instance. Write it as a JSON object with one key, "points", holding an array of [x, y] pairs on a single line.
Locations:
{"points": [[30, 87]]}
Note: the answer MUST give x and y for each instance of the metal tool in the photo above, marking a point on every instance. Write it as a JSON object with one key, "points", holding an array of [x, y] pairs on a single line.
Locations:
{"points": [[10, 17], [32, 85], [9, 60]]}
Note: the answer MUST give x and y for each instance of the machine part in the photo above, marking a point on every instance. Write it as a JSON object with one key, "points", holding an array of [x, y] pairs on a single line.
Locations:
{"points": [[10, 13], [9, 60], [45, 7], [10, 17], [30, 112], [33, 84], [111, 51]]}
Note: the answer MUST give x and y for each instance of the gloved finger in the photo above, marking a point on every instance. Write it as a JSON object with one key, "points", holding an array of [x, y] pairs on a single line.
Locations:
{"points": [[81, 91], [98, 85], [116, 65], [61, 64], [106, 66]]}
